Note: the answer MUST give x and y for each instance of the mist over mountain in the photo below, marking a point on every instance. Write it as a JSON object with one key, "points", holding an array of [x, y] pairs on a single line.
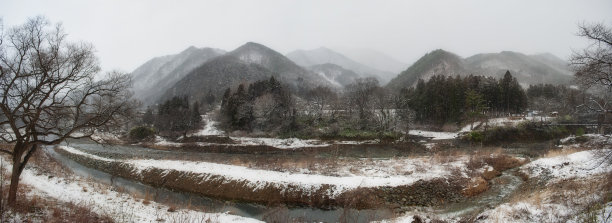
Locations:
{"points": [[541, 68], [195, 71], [322, 55], [249, 62], [437, 62], [335, 74], [374, 59], [528, 69], [158, 74]]}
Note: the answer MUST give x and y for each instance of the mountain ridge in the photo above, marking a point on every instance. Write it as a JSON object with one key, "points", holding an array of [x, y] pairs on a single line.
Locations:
{"points": [[528, 69], [323, 55], [247, 63], [158, 74]]}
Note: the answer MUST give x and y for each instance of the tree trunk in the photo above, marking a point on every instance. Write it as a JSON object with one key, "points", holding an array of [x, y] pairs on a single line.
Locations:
{"points": [[12, 198], [19, 152]]}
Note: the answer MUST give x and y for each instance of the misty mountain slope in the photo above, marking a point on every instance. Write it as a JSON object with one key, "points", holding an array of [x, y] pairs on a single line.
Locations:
{"points": [[157, 75], [217, 75], [437, 62], [374, 59], [534, 69], [554, 62], [289, 72], [143, 75], [543, 68], [307, 58], [249, 62], [335, 74]]}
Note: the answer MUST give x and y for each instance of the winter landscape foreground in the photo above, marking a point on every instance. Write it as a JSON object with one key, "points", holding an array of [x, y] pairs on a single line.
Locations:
{"points": [[281, 111], [142, 183]]}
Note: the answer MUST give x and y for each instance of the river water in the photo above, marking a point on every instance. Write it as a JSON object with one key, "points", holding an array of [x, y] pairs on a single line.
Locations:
{"points": [[501, 188], [257, 211]]}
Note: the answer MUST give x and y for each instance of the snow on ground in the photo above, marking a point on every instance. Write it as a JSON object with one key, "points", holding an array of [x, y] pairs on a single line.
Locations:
{"points": [[373, 176], [290, 143], [527, 212], [434, 135], [119, 206], [585, 172], [256, 177], [105, 137], [579, 164], [602, 215], [505, 121], [160, 141], [210, 128]]}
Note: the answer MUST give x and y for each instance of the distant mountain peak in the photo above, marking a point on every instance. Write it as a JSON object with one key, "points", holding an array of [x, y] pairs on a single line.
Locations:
{"points": [[323, 55], [158, 74], [527, 69], [253, 46]]}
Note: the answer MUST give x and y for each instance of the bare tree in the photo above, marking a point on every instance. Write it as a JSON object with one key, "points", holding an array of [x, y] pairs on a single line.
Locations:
{"points": [[593, 67], [263, 110], [320, 99], [360, 94], [383, 114], [48, 92]]}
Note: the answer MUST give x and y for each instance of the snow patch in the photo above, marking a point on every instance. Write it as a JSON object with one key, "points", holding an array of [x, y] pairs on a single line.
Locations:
{"points": [[434, 135], [290, 143], [118, 206], [579, 164], [256, 178]]}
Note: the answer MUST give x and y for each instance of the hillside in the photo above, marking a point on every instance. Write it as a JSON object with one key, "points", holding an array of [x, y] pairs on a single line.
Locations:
{"points": [[528, 69], [307, 58], [437, 62], [542, 68], [374, 59], [158, 74], [247, 63], [335, 74]]}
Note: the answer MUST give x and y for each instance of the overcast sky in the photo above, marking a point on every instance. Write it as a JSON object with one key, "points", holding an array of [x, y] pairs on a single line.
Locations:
{"points": [[128, 33]]}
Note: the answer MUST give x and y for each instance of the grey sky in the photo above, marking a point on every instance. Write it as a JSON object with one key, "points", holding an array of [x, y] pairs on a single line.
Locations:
{"points": [[127, 33]]}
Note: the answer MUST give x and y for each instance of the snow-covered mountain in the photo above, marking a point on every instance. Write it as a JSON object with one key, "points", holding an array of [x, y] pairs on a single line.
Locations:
{"points": [[307, 58], [437, 62], [158, 74], [374, 59], [528, 69], [249, 62], [335, 74]]}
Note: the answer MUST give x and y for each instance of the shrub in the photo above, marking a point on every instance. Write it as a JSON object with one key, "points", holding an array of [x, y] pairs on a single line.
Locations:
{"points": [[475, 136], [142, 132], [579, 132], [526, 131]]}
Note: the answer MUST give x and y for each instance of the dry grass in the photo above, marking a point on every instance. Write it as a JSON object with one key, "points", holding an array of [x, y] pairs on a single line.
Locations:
{"points": [[563, 152], [490, 174], [147, 198], [503, 162], [476, 186], [172, 208], [577, 194]]}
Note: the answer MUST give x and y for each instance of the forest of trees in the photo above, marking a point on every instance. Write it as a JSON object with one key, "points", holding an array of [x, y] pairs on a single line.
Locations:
{"points": [[554, 98], [174, 116], [456, 99], [264, 105], [267, 106]]}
